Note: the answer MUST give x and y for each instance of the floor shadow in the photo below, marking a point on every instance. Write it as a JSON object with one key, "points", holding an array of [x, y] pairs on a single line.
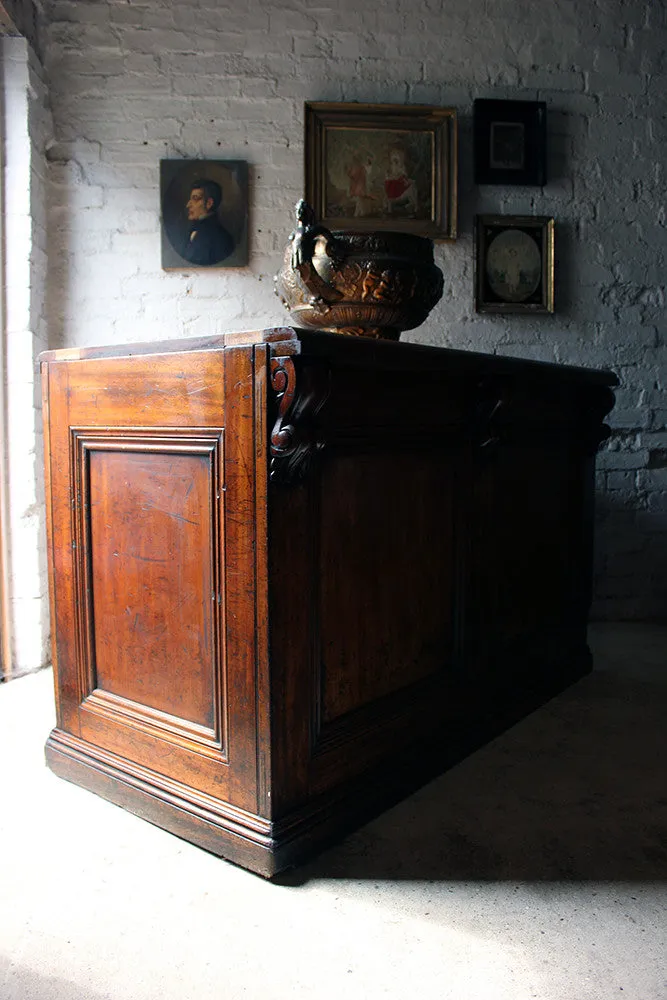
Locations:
{"points": [[576, 791], [20, 983]]}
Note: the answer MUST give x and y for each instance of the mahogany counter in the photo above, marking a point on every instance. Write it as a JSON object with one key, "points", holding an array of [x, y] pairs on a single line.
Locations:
{"points": [[294, 575]]}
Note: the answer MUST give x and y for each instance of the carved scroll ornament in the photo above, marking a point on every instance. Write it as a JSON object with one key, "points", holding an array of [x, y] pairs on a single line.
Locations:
{"points": [[299, 398]]}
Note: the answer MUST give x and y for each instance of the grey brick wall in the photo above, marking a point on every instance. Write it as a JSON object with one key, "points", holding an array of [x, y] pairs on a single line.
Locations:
{"points": [[26, 129], [131, 83]]}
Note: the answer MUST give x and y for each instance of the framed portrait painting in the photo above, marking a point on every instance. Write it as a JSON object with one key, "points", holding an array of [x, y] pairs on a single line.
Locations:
{"points": [[204, 213], [382, 166], [510, 142], [514, 264]]}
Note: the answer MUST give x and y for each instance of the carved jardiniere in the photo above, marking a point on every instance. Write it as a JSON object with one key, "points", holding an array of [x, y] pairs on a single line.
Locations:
{"points": [[363, 284]]}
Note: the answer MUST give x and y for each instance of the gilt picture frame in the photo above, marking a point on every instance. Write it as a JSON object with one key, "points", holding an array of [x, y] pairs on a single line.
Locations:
{"points": [[510, 142], [514, 264], [387, 167], [204, 214]]}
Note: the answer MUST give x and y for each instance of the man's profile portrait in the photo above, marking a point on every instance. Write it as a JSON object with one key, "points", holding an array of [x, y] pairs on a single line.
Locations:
{"points": [[204, 213], [207, 242]]}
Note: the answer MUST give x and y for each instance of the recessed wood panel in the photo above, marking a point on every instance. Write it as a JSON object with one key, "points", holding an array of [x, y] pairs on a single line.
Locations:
{"points": [[386, 577], [151, 559]]}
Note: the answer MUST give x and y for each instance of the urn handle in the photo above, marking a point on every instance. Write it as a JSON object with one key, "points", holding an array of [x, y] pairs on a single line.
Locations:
{"points": [[304, 238]]}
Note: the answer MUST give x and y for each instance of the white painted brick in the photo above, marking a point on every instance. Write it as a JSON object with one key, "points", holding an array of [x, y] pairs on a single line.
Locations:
{"points": [[622, 459], [135, 154], [92, 13], [190, 86], [647, 335], [635, 418], [109, 292], [310, 45], [136, 245], [622, 481], [152, 40], [70, 62], [627, 84], [65, 35], [102, 268], [137, 85], [346, 45], [139, 222], [162, 129], [572, 104], [110, 176], [554, 82], [161, 285], [84, 196], [656, 441], [652, 479], [144, 16]]}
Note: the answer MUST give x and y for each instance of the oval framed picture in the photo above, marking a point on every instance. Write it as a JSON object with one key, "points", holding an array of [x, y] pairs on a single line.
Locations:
{"points": [[514, 263]]}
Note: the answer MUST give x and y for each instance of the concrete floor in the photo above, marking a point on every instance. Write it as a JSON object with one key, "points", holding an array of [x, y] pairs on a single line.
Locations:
{"points": [[535, 868]]}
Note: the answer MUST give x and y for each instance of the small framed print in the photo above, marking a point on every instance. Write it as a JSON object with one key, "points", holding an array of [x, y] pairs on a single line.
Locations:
{"points": [[510, 142], [204, 214], [514, 264]]}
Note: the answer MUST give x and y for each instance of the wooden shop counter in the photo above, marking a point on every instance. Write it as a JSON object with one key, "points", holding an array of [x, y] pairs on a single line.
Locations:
{"points": [[294, 574]]}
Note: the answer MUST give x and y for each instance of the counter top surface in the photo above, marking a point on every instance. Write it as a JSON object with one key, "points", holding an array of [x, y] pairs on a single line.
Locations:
{"points": [[348, 351]]}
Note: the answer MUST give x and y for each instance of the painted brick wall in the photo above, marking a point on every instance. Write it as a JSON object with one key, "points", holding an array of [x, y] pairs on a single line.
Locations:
{"points": [[133, 82], [26, 126]]}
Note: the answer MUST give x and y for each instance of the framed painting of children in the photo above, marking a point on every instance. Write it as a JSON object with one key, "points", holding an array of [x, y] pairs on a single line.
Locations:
{"points": [[382, 166]]}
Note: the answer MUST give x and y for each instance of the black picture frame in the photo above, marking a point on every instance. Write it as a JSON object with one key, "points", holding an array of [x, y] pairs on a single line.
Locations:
{"points": [[514, 263], [222, 241], [510, 142]]}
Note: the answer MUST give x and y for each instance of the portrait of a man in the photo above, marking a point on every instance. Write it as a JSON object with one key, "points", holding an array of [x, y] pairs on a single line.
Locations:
{"points": [[204, 213]]}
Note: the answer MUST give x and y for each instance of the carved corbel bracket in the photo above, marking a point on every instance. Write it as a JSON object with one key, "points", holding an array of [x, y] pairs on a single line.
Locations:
{"points": [[300, 395]]}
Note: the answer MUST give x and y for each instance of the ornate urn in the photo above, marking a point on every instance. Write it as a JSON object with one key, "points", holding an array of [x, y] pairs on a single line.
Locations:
{"points": [[357, 283]]}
